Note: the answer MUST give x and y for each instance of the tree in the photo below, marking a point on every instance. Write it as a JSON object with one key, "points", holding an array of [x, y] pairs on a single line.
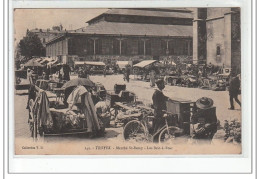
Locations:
{"points": [[31, 46]]}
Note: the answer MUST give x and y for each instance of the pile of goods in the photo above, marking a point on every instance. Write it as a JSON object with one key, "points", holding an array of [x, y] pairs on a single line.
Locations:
{"points": [[120, 94], [124, 117], [232, 131], [63, 121]]}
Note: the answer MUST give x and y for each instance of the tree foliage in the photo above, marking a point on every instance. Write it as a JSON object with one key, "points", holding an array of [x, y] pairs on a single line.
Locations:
{"points": [[31, 46]]}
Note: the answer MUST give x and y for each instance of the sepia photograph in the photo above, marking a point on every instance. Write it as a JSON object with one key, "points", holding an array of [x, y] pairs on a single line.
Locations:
{"points": [[127, 81]]}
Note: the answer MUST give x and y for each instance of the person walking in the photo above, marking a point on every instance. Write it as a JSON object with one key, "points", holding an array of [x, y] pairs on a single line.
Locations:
{"points": [[234, 91]]}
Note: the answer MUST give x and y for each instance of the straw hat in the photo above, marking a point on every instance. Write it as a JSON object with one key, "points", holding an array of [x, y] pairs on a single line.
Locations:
{"points": [[204, 103]]}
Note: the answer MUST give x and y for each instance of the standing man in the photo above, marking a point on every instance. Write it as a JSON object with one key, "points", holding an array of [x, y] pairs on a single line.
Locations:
{"points": [[66, 72], [159, 104], [105, 71], [234, 90], [152, 78], [127, 73]]}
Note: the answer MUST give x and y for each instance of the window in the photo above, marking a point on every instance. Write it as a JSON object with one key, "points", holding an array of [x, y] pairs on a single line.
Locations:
{"points": [[148, 47], [164, 47], [124, 47], [218, 50], [140, 47], [98, 47], [116, 47]]}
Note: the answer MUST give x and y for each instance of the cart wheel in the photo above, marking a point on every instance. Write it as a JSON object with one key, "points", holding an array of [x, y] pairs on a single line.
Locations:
{"points": [[169, 135], [34, 131], [135, 131]]}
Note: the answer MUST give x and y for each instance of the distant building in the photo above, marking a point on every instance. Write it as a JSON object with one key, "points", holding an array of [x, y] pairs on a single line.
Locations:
{"points": [[216, 37], [129, 34], [46, 35]]}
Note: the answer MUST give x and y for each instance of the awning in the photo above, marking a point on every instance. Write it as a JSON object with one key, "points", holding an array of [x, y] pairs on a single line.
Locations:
{"points": [[52, 62], [33, 63], [89, 63], [172, 63], [144, 63], [122, 64], [43, 60]]}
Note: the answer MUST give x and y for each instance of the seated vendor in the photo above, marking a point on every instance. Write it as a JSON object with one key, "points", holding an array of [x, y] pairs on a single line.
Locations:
{"points": [[204, 120]]}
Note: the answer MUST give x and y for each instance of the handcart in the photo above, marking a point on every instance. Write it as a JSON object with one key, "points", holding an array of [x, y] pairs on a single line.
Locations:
{"points": [[184, 120], [48, 121]]}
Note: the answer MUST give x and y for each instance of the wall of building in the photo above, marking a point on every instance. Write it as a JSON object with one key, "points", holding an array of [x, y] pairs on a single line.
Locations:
{"points": [[236, 42], [217, 12], [221, 49], [58, 48], [84, 46], [216, 45]]}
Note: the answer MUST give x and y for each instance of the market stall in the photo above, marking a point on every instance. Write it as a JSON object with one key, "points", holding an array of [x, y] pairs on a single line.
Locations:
{"points": [[94, 67], [122, 65], [141, 71]]}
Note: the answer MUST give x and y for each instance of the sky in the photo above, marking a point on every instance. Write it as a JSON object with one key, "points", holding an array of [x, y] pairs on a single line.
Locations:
{"points": [[46, 18]]}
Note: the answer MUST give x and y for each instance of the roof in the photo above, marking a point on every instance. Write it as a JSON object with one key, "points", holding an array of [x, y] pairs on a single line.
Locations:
{"points": [[151, 12], [89, 63], [144, 63], [45, 30], [115, 28]]}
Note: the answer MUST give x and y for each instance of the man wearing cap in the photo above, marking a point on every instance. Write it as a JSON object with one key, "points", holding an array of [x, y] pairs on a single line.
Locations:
{"points": [[234, 90], [159, 104]]}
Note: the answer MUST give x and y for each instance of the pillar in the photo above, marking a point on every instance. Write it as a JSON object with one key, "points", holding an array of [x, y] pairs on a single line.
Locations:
{"points": [[199, 35], [120, 44], [144, 40]]}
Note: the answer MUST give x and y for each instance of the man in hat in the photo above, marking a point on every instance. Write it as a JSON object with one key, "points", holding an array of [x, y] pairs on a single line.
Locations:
{"points": [[204, 120], [234, 90], [159, 104]]}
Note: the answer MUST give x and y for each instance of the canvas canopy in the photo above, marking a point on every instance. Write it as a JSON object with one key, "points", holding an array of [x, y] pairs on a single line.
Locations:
{"points": [[53, 62], [33, 63], [89, 63], [122, 64], [43, 60], [144, 63]]}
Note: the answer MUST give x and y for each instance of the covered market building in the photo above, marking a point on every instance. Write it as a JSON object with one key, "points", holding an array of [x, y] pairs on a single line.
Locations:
{"points": [[129, 34]]}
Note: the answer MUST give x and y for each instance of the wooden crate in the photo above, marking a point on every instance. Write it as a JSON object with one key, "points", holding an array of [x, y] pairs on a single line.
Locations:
{"points": [[111, 98], [182, 108]]}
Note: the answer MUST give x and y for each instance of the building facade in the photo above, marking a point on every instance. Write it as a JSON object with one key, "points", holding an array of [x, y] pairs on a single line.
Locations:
{"points": [[129, 34], [46, 35], [216, 37]]}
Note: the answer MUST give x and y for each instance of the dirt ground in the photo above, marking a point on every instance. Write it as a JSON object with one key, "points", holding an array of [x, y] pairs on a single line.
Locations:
{"points": [[144, 93]]}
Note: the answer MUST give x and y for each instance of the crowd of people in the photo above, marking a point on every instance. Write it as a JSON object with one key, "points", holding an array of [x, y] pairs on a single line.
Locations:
{"points": [[62, 72]]}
